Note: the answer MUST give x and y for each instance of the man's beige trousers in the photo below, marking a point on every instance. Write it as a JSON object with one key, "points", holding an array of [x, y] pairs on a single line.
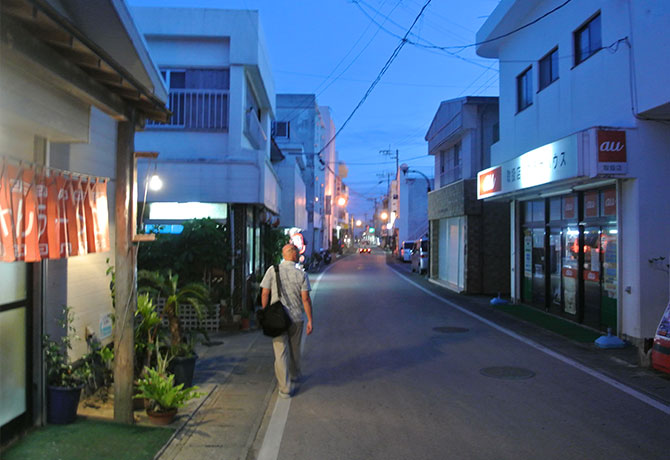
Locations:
{"points": [[287, 356]]}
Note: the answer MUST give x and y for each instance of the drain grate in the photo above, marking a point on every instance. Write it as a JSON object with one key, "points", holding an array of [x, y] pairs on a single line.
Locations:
{"points": [[450, 329], [507, 373]]}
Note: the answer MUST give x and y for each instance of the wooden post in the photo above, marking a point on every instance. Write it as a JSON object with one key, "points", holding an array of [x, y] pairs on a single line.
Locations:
{"points": [[125, 265]]}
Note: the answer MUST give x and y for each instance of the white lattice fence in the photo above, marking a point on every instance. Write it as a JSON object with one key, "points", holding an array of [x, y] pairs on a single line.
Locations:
{"points": [[189, 319]]}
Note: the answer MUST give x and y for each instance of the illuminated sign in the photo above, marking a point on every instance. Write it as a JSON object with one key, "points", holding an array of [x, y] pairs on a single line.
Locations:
{"points": [[549, 163], [612, 152], [489, 181]]}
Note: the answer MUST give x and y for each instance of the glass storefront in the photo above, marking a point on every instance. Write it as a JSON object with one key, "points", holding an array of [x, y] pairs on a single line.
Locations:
{"points": [[570, 256]]}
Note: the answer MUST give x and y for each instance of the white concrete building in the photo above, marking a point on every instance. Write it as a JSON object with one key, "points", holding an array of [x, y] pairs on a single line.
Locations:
{"points": [[302, 130], [214, 153], [71, 96], [582, 157]]}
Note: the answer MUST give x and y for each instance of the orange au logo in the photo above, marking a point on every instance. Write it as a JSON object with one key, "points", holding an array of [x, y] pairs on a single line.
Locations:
{"points": [[489, 182]]}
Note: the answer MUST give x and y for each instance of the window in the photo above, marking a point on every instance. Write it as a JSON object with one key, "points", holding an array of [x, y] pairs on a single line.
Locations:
{"points": [[549, 69], [588, 39], [198, 98], [281, 129], [450, 165], [524, 89], [495, 134]]}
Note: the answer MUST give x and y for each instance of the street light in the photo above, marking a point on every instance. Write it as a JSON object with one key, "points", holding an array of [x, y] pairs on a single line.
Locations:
{"points": [[155, 183], [341, 201], [384, 215], [405, 169], [359, 223]]}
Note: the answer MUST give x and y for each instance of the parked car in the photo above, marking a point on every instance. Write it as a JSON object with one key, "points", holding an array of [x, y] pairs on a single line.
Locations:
{"points": [[364, 250], [406, 251], [419, 256]]}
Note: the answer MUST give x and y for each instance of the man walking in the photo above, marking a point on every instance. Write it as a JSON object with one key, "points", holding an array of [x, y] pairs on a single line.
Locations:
{"points": [[295, 297]]}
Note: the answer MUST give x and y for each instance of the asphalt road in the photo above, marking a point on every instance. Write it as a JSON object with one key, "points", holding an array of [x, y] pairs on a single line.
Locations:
{"points": [[382, 383]]}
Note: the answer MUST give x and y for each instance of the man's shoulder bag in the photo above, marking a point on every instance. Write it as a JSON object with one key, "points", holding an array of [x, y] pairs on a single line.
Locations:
{"points": [[273, 319]]}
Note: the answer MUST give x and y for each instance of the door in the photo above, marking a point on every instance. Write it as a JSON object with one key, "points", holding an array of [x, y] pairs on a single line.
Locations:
{"points": [[570, 268], [15, 364], [592, 276], [608, 297], [539, 288]]}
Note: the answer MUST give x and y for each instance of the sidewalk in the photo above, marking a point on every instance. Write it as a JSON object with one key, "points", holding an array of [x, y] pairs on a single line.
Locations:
{"points": [[237, 376]]}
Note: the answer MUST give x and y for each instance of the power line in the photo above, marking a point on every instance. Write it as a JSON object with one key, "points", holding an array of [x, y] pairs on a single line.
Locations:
{"points": [[294, 114], [462, 47], [429, 47], [390, 60]]}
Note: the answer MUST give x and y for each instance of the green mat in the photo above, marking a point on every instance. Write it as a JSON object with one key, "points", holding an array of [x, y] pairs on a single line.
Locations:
{"points": [[87, 440], [553, 323]]}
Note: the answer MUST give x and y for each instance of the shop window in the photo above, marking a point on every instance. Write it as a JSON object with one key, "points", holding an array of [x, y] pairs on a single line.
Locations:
{"points": [[591, 204], [608, 203], [538, 211], [588, 39], [569, 207], [527, 211], [555, 209]]}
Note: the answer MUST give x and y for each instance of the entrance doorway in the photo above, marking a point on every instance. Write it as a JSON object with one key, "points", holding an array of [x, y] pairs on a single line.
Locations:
{"points": [[15, 348]]}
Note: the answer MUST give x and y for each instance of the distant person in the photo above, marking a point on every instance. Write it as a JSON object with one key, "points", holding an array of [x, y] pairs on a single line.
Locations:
{"points": [[295, 297]]}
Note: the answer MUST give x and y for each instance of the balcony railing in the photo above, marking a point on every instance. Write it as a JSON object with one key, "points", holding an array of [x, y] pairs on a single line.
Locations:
{"points": [[196, 109], [254, 131]]}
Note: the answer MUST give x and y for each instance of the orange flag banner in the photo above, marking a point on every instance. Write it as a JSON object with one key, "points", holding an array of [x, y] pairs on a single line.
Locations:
{"points": [[43, 216], [6, 220]]}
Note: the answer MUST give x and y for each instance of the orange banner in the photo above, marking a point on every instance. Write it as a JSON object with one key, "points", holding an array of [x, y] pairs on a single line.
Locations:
{"points": [[50, 217]]}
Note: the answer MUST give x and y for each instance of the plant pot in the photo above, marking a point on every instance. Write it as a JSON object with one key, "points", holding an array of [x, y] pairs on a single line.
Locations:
{"points": [[161, 418], [62, 404], [183, 368]]}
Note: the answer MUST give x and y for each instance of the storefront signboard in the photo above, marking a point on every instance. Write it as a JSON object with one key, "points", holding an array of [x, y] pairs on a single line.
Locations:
{"points": [[612, 152], [549, 163]]}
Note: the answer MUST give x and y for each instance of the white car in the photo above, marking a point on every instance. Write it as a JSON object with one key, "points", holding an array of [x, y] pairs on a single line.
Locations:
{"points": [[420, 256]]}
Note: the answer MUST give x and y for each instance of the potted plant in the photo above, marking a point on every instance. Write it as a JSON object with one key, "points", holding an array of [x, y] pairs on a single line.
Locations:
{"points": [[64, 380], [194, 294], [165, 398]]}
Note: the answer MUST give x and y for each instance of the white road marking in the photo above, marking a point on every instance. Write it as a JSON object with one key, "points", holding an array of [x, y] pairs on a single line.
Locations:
{"points": [[602, 377], [273, 435]]}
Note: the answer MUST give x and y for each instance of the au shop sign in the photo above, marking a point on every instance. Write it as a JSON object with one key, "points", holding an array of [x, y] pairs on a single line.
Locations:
{"points": [[549, 163], [48, 215]]}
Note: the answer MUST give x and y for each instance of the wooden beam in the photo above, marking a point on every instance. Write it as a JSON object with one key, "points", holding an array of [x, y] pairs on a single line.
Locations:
{"points": [[125, 265]]}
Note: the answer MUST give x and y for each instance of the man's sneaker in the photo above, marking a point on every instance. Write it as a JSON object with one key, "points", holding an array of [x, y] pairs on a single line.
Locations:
{"points": [[284, 395]]}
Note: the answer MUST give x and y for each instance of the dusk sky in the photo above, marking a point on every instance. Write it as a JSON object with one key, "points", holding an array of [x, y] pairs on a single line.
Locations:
{"points": [[336, 48]]}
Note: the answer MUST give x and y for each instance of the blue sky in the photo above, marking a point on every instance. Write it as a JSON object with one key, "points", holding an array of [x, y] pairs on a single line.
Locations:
{"points": [[336, 48]]}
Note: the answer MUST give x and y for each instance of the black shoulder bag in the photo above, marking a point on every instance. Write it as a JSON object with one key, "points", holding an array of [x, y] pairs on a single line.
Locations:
{"points": [[273, 319]]}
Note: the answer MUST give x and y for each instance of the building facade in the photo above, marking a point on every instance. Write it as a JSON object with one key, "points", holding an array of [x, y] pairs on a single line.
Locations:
{"points": [[582, 158], [71, 97], [469, 250], [215, 151], [303, 130]]}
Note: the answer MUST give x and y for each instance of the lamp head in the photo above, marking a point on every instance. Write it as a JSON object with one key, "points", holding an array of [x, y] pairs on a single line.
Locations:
{"points": [[404, 168]]}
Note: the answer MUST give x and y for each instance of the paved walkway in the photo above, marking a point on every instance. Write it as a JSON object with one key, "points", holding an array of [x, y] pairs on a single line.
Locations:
{"points": [[237, 375]]}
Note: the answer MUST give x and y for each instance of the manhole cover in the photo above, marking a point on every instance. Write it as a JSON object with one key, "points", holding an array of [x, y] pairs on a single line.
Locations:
{"points": [[450, 329], [507, 373]]}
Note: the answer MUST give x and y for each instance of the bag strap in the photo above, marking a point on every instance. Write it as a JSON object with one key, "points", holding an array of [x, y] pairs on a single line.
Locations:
{"points": [[278, 280]]}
